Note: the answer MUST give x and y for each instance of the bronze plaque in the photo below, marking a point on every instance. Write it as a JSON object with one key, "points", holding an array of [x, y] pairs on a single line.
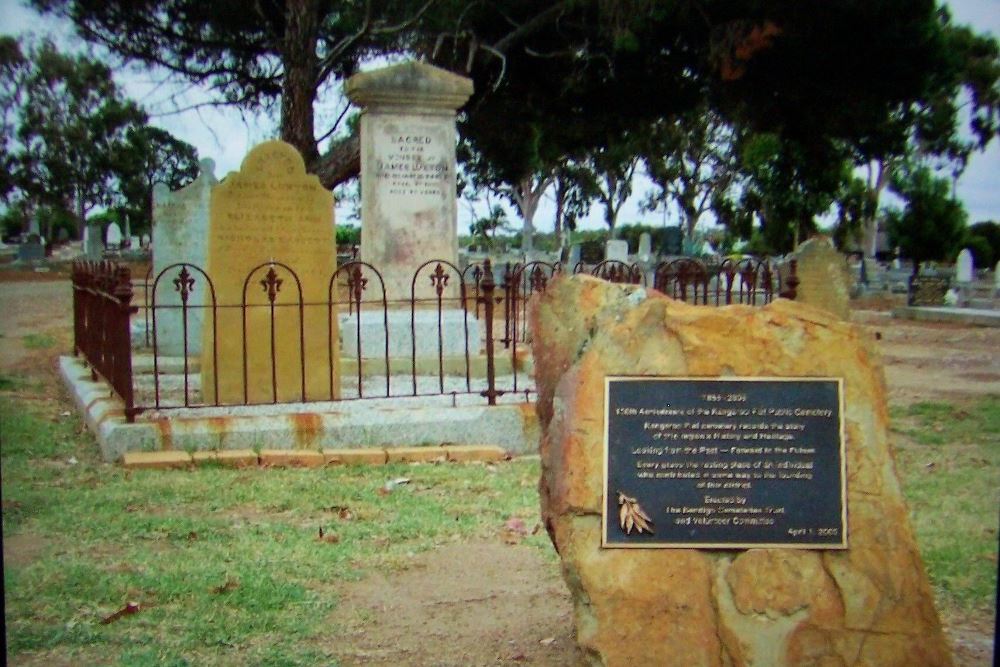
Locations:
{"points": [[724, 463]]}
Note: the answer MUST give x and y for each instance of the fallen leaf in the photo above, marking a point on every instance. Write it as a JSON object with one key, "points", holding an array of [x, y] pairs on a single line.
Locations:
{"points": [[230, 585], [129, 609], [514, 530], [192, 536], [547, 641], [71, 461], [329, 538], [631, 515]]}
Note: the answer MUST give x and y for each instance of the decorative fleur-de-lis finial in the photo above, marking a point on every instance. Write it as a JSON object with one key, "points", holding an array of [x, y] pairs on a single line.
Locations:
{"points": [[271, 284], [439, 279], [356, 284], [183, 283], [538, 280]]}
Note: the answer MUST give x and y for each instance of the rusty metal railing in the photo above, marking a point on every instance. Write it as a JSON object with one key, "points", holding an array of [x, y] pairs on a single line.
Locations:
{"points": [[102, 309], [454, 325]]}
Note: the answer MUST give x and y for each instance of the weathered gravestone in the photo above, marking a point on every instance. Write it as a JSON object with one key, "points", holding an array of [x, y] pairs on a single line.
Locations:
{"points": [[113, 236], [645, 247], [616, 250], [93, 246], [824, 277], [180, 222], [408, 186], [750, 515], [268, 214], [574, 256], [31, 249], [408, 211], [964, 266], [927, 291]]}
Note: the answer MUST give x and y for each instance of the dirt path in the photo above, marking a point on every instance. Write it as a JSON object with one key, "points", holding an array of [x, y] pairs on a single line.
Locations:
{"points": [[493, 603]]}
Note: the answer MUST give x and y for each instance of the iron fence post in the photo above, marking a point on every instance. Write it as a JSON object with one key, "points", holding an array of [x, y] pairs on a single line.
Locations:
{"points": [[121, 340], [486, 298], [792, 282]]}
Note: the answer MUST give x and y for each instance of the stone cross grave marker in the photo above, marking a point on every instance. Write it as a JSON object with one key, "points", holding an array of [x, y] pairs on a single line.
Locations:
{"points": [[408, 186], [964, 267], [180, 223], [268, 213]]}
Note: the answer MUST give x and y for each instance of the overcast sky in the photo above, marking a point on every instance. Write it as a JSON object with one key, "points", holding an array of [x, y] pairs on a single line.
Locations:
{"points": [[225, 135]]}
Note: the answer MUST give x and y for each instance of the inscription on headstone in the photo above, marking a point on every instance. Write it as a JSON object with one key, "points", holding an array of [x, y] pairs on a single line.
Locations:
{"points": [[408, 180], [271, 212], [709, 463]]}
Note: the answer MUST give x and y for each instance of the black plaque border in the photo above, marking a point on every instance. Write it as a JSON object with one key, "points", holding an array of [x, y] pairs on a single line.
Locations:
{"points": [[726, 545]]}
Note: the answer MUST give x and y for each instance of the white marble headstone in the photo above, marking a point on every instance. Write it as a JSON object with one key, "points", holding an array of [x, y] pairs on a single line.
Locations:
{"points": [[616, 250], [113, 236], [408, 179], [645, 246], [180, 224], [964, 266], [93, 246]]}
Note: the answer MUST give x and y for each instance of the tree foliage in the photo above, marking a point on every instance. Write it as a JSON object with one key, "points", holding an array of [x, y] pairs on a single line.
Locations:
{"points": [[692, 161], [932, 224], [74, 143]]}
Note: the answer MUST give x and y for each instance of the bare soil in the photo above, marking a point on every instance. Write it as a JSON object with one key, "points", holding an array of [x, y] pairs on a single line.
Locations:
{"points": [[494, 603]]}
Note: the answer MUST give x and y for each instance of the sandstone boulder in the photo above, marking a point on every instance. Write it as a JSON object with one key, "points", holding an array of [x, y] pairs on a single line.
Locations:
{"points": [[870, 604]]}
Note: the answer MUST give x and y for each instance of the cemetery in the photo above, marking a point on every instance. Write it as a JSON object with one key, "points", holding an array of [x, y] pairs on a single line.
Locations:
{"points": [[229, 438]]}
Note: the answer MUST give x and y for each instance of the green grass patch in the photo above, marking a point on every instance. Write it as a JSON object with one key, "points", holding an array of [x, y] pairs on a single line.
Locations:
{"points": [[226, 564], [36, 341], [949, 459]]}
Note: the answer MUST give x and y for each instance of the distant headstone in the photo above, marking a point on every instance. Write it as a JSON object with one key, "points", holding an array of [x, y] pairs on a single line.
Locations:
{"points": [[996, 277], [268, 212], [93, 245], [927, 291], [645, 247], [964, 266], [144, 239], [31, 249], [408, 137], [33, 227], [591, 252], [673, 241], [133, 242], [113, 236], [616, 250], [180, 222], [574, 256]]}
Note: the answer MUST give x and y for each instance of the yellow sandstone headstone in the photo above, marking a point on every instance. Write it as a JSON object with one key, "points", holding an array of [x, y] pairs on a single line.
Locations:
{"points": [[268, 220]]}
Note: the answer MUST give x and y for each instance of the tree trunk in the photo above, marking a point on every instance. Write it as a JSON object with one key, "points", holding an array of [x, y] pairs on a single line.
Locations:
{"points": [[298, 57], [340, 163]]}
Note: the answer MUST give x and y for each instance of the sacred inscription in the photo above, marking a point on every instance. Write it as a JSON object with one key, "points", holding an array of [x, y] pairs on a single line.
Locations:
{"points": [[734, 463], [410, 162]]}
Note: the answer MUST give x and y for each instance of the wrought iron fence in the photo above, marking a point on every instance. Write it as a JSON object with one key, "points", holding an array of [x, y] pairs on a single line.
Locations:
{"points": [[459, 331]]}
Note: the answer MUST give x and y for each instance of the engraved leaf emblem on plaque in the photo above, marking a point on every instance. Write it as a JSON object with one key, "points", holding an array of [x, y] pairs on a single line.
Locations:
{"points": [[631, 516]]}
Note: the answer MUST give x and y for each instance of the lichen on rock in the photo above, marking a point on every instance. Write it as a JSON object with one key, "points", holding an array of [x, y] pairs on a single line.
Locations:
{"points": [[869, 604]]}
